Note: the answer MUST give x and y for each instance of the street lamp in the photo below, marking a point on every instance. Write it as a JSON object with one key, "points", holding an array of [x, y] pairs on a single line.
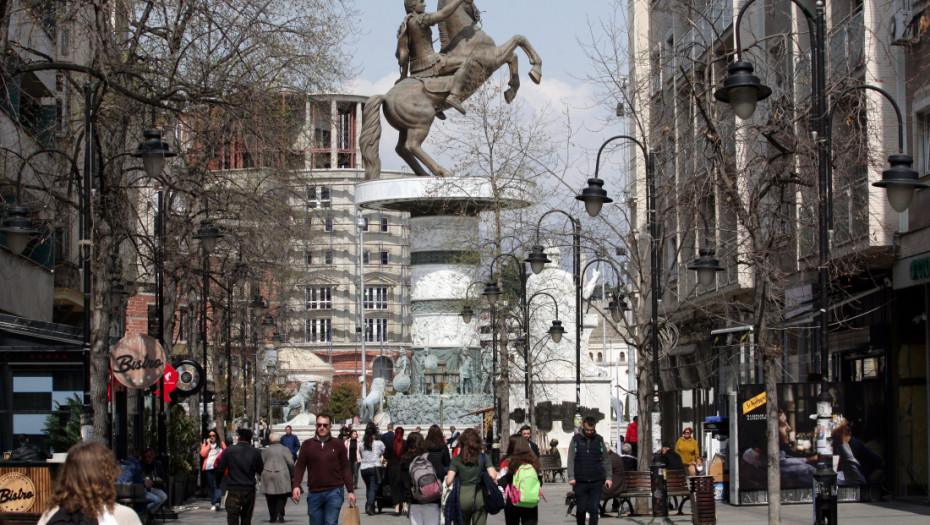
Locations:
{"points": [[538, 260], [706, 266], [208, 235], [18, 228], [594, 196]]}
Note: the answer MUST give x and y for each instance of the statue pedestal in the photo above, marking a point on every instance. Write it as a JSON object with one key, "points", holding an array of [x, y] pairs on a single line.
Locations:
{"points": [[303, 426], [444, 240], [425, 410]]}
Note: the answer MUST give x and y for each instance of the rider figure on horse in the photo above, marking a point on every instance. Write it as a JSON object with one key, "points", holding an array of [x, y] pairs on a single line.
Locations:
{"points": [[415, 52]]}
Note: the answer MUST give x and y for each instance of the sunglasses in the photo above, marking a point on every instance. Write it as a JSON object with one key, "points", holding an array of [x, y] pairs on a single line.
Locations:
{"points": [[686, 433], [322, 425]]}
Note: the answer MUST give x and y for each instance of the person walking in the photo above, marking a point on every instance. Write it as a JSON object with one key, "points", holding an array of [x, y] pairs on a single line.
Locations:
{"points": [[84, 490], [324, 460], [372, 455], [467, 466], [393, 456], [588, 470], [263, 434], [355, 455], [632, 436], [687, 448], [239, 464], [388, 437], [419, 513], [276, 476], [210, 451], [437, 449], [290, 441], [527, 434], [519, 453]]}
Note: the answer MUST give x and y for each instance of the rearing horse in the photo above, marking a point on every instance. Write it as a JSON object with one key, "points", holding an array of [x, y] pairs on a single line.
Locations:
{"points": [[413, 103]]}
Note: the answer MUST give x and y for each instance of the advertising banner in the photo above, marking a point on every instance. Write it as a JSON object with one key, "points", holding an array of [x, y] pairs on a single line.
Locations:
{"points": [[856, 433]]}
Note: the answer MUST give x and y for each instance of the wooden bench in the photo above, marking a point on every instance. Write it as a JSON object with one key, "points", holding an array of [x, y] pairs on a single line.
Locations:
{"points": [[551, 466], [639, 485]]}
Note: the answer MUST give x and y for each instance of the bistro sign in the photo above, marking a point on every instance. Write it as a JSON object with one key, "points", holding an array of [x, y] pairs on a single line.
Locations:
{"points": [[137, 361], [17, 492]]}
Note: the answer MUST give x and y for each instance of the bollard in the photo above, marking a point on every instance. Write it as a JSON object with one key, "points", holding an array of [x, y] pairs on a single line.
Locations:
{"points": [[824, 495], [659, 489]]}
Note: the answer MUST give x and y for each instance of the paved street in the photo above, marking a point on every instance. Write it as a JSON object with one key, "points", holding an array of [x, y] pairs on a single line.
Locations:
{"points": [[553, 512]]}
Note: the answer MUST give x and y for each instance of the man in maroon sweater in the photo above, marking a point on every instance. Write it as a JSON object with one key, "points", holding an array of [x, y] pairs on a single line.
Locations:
{"points": [[326, 462]]}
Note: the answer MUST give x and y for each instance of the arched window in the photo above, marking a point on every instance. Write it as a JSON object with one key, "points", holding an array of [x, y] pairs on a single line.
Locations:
{"points": [[382, 367], [600, 357], [623, 356]]}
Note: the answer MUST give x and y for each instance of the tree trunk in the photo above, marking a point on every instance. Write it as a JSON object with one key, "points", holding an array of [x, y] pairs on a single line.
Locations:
{"points": [[770, 370]]}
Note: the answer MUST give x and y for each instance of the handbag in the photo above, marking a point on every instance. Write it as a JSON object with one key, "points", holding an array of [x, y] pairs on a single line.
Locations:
{"points": [[351, 516], [379, 474]]}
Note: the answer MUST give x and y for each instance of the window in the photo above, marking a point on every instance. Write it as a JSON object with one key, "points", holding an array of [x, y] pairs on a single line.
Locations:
{"points": [[600, 357], [376, 330], [319, 297], [384, 224], [364, 224], [308, 257], [319, 196], [366, 257], [384, 257], [319, 330], [923, 144], [328, 224], [328, 257], [376, 298]]}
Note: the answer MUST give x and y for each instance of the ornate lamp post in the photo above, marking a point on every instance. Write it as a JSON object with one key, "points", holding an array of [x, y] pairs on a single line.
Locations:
{"points": [[208, 235], [538, 260]]}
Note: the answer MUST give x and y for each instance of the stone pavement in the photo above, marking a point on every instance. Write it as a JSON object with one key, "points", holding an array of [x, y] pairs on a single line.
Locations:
{"points": [[552, 512]]}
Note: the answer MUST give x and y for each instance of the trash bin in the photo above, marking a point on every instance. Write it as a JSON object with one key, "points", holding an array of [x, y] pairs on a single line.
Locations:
{"points": [[702, 500]]}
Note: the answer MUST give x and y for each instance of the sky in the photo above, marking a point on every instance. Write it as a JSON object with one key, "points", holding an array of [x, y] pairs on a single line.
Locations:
{"points": [[554, 28]]}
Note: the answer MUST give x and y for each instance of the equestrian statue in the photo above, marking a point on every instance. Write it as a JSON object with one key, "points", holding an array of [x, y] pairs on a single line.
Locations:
{"points": [[431, 82]]}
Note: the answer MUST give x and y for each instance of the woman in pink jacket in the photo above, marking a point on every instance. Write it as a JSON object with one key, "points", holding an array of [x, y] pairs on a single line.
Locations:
{"points": [[210, 451]]}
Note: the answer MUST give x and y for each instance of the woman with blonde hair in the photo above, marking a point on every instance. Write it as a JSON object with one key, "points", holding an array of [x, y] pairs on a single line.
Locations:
{"points": [[84, 491]]}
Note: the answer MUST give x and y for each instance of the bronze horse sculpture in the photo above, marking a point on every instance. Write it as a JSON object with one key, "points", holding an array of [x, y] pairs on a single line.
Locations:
{"points": [[413, 103]]}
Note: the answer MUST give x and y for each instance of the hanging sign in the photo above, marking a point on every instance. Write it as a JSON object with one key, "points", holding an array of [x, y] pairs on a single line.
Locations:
{"points": [[190, 378], [137, 361], [171, 382]]}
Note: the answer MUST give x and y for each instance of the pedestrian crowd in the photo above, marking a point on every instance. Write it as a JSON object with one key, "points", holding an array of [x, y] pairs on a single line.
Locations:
{"points": [[426, 476]]}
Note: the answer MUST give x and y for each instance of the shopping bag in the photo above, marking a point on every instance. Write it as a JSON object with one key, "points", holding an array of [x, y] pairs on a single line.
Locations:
{"points": [[351, 516]]}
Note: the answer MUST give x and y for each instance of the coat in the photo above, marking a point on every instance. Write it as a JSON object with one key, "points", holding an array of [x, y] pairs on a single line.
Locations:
{"points": [[617, 479], [279, 468]]}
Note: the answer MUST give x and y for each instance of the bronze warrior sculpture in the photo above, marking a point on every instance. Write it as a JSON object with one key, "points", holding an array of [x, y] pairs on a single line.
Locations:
{"points": [[433, 82]]}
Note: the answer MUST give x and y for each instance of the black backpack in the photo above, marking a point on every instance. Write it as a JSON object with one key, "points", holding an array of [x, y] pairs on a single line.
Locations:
{"points": [[493, 498]]}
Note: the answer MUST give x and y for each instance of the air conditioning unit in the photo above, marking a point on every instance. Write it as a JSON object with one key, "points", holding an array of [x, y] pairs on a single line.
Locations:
{"points": [[899, 28]]}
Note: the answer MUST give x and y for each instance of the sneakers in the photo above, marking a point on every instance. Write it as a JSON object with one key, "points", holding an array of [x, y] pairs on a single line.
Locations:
{"points": [[213, 508]]}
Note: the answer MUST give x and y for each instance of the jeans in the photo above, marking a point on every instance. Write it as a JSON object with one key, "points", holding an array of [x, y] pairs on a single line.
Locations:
{"points": [[354, 467], [371, 483], [324, 507], [156, 498], [587, 499], [239, 507], [215, 493], [514, 515], [424, 513]]}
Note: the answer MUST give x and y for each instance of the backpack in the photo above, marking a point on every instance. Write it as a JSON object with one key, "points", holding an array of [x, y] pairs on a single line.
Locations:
{"points": [[423, 481], [525, 489], [493, 499]]}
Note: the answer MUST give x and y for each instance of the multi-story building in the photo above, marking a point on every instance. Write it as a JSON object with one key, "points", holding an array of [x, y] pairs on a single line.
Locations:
{"points": [[725, 183]]}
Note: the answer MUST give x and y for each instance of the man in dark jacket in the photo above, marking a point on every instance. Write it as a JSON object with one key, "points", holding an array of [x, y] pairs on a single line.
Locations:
{"points": [[672, 459], [588, 470], [326, 463], [617, 469], [388, 437], [527, 434], [239, 464], [290, 441]]}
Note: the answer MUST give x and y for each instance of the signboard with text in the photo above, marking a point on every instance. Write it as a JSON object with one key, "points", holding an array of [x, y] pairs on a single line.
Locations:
{"points": [[137, 361]]}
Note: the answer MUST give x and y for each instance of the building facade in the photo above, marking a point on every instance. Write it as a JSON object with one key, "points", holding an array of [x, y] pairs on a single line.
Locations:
{"points": [[749, 190]]}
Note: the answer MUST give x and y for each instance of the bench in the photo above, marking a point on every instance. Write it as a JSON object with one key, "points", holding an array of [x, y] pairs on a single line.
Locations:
{"points": [[551, 465], [639, 485], [132, 495]]}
